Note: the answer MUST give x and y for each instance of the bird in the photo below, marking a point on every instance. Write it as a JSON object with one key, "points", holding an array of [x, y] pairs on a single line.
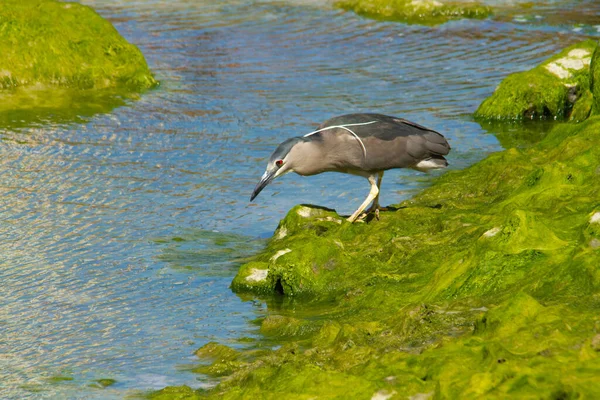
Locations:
{"points": [[363, 144]]}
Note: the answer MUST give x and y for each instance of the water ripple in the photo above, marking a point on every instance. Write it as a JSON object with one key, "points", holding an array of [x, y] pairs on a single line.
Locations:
{"points": [[121, 231]]}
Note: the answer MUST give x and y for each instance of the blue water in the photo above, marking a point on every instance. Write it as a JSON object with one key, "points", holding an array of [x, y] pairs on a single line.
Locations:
{"points": [[121, 231]]}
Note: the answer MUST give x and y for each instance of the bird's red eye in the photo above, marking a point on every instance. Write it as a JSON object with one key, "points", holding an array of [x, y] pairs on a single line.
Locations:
{"points": [[279, 163]]}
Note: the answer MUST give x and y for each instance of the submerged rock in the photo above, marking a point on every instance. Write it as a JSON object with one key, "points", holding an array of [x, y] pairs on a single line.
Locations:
{"points": [[216, 351], [425, 12], [102, 383], [176, 393], [559, 88]]}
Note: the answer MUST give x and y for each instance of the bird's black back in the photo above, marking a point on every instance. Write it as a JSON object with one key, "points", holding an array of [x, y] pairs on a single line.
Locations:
{"points": [[385, 128], [389, 128], [390, 142]]}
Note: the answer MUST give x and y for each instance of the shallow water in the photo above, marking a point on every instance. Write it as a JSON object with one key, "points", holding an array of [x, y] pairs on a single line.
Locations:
{"points": [[123, 227]]}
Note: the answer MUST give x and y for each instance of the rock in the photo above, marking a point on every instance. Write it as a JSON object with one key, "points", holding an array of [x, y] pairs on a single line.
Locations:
{"points": [[216, 352], [486, 282], [283, 270], [50, 43], [103, 383], [559, 88], [425, 12], [61, 61]]}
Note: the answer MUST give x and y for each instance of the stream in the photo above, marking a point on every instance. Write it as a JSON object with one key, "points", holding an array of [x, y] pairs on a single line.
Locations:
{"points": [[122, 230]]}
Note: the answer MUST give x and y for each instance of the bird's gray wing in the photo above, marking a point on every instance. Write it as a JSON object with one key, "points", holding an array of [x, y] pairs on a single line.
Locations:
{"points": [[391, 142], [384, 127]]}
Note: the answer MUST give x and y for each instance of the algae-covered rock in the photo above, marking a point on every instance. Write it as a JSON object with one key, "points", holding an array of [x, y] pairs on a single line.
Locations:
{"points": [[559, 88], [102, 383], [426, 12], [282, 326], [484, 285], [62, 62], [50, 43], [222, 358], [283, 271], [216, 351]]}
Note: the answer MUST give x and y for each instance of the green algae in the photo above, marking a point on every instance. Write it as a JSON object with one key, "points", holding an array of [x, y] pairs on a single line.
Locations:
{"points": [[60, 379], [62, 62], [103, 383], [50, 43], [595, 80], [176, 393], [485, 284], [560, 88], [425, 12], [216, 351]]}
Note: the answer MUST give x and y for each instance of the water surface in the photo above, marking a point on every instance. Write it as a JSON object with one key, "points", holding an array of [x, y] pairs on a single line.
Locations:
{"points": [[122, 227]]}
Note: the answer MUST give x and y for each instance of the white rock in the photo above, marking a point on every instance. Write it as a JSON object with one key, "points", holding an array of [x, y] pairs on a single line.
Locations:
{"points": [[558, 70], [281, 233], [257, 275], [383, 395], [428, 4], [492, 232], [576, 59], [579, 53], [595, 218], [279, 254], [573, 63], [421, 396], [304, 212]]}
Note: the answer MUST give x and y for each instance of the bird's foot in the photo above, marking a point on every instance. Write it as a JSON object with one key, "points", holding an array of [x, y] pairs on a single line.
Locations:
{"points": [[363, 217], [375, 207]]}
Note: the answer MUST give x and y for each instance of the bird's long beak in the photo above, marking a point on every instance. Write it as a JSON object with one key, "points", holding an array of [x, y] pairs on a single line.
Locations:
{"points": [[267, 177]]}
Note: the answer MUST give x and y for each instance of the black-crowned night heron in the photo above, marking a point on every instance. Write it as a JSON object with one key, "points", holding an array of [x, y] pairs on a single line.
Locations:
{"points": [[359, 144]]}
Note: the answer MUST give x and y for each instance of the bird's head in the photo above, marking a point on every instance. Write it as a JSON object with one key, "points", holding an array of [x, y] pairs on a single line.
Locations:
{"points": [[279, 164]]}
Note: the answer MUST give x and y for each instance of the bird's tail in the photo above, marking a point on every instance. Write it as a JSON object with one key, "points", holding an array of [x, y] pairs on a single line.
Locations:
{"points": [[433, 162]]}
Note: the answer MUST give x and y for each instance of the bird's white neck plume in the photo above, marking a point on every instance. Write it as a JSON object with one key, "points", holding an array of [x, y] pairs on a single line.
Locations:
{"points": [[345, 126]]}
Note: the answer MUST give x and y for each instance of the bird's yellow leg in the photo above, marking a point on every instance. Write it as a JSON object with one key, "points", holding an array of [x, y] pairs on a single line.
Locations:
{"points": [[375, 206], [373, 193]]}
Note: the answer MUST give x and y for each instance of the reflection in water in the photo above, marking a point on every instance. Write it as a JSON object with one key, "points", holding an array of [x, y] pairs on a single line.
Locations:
{"points": [[518, 134], [22, 108], [109, 263], [207, 253]]}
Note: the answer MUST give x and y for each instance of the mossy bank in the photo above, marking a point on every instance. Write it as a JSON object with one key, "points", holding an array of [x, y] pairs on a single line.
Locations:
{"points": [[487, 284], [424, 12], [54, 54]]}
